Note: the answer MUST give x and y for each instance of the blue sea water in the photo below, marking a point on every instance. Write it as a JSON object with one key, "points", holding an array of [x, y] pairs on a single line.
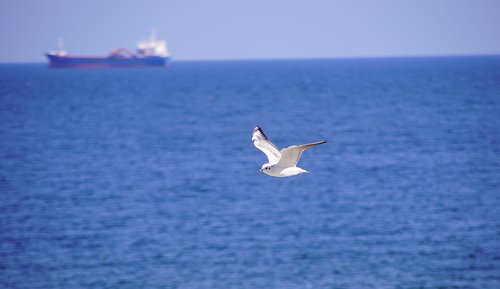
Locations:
{"points": [[147, 178]]}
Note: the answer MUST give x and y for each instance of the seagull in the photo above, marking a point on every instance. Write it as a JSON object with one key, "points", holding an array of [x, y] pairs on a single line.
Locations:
{"points": [[281, 163]]}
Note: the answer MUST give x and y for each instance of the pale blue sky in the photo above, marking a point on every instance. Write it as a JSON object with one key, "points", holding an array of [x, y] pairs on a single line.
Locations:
{"points": [[257, 29]]}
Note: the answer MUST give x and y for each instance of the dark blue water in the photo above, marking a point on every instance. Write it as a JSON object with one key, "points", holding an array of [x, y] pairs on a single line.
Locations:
{"points": [[147, 178]]}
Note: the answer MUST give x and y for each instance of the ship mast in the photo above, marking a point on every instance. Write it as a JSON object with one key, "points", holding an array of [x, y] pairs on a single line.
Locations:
{"points": [[152, 37], [60, 44], [60, 48]]}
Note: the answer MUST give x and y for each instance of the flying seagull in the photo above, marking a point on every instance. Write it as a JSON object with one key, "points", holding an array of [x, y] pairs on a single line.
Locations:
{"points": [[281, 163]]}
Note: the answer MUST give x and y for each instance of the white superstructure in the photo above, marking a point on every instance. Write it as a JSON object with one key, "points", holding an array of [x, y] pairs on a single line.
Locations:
{"points": [[153, 46]]}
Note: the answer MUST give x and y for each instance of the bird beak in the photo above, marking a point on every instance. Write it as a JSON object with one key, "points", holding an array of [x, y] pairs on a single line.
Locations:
{"points": [[260, 170]]}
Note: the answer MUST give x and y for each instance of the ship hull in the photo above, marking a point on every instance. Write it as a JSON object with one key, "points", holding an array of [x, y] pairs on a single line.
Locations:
{"points": [[112, 61]]}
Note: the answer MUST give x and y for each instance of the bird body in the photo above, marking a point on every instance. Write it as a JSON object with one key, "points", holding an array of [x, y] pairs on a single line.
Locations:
{"points": [[281, 163], [280, 172]]}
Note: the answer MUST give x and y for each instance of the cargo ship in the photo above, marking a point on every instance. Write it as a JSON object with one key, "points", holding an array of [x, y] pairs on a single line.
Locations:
{"points": [[150, 53]]}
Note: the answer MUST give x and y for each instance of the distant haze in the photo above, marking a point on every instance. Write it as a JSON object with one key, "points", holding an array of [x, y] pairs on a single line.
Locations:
{"points": [[218, 29]]}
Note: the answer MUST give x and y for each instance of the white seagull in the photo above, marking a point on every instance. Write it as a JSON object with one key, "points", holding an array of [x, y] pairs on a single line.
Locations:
{"points": [[281, 163]]}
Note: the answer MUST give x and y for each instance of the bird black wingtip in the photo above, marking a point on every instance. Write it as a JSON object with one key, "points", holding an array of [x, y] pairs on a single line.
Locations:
{"points": [[258, 128], [320, 142]]}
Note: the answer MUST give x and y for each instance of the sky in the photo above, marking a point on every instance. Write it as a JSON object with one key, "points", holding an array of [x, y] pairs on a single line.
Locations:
{"points": [[257, 29]]}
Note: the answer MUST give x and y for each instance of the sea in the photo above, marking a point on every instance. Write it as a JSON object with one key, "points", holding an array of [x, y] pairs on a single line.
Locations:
{"points": [[148, 178]]}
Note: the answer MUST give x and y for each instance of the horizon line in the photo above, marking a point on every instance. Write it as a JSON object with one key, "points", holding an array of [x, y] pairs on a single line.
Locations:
{"points": [[304, 58]]}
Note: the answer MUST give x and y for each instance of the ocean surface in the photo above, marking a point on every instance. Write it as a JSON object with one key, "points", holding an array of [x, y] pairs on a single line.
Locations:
{"points": [[147, 178]]}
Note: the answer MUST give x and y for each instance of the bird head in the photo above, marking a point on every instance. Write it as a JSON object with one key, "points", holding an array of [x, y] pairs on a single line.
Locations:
{"points": [[265, 168]]}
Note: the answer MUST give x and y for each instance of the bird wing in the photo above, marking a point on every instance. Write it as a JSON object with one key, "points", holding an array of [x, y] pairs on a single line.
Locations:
{"points": [[261, 142], [290, 156]]}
